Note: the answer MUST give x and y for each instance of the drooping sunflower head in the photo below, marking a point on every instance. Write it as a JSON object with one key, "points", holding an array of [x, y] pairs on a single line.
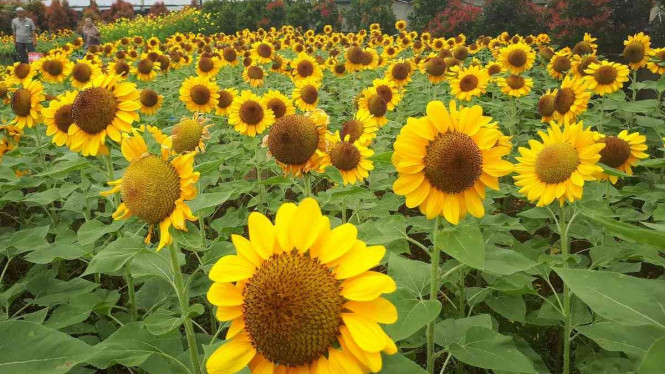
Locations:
{"points": [[546, 105], [446, 159], [435, 67], [621, 152], [571, 99], [189, 134], [606, 77], [279, 104], [517, 58], [557, 168], [199, 94], [151, 101], [249, 114]]}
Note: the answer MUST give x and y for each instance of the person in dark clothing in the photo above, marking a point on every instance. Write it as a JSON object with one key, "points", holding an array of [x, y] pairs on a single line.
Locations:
{"points": [[25, 37]]}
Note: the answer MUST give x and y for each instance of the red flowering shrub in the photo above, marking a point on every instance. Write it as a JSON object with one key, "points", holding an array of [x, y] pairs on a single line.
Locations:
{"points": [[119, 9], [458, 17], [276, 13], [570, 19], [158, 9], [60, 16], [37, 11], [325, 12]]}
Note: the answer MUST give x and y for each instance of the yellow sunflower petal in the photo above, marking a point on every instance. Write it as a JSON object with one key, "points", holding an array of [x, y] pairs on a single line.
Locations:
{"points": [[367, 286], [231, 357]]}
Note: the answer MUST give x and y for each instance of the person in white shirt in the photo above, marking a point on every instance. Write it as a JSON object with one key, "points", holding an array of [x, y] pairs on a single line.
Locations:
{"points": [[25, 37]]}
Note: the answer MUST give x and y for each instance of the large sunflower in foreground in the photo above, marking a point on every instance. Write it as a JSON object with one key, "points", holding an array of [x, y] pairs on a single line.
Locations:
{"points": [[26, 104], [155, 189], [517, 58], [104, 108], [557, 168], [447, 158], [606, 77], [621, 152], [301, 301], [249, 115], [571, 99], [199, 94], [58, 117]]}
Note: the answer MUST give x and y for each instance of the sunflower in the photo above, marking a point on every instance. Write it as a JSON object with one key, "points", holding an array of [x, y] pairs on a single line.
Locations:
{"points": [[558, 167], [637, 50], [400, 25], [103, 108], [4, 92], [305, 67], [361, 128], [20, 73], [587, 46], [466, 83], [26, 104], [279, 103], [571, 100], [354, 58], [390, 93], [199, 94], [151, 101], [226, 97], [249, 115], [657, 62], [155, 189], [546, 106], [254, 75], [208, 67], [400, 72], [621, 152], [350, 158], [559, 65], [372, 102], [446, 159], [145, 70], [301, 303], [262, 52], [606, 77], [516, 58], [298, 142], [83, 72], [120, 68], [58, 117], [493, 68], [580, 64], [515, 85], [306, 94], [230, 56], [189, 134], [53, 69], [435, 67]]}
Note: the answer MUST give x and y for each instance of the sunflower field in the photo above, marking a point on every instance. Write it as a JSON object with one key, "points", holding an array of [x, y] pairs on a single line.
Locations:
{"points": [[282, 201]]}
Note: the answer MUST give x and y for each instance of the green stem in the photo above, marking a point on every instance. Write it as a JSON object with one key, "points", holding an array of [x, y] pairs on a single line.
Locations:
{"points": [[308, 185], [179, 285], [262, 190], [42, 158], [131, 292], [433, 295], [344, 210], [462, 312], [565, 251], [111, 176], [602, 114], [202, 231]]}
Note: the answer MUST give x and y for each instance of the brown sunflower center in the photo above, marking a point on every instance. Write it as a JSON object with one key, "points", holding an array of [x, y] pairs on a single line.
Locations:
{"points": [[401, 70], [63, 118], [292, 307], [546, 53], [229, 54], [355, 55], [251, 112], [515, 82], [605, 74], [517, 58], [340, 68], [94, 109], [187, 135], [461, 53], [435, 66], [293, 139], [453, 162], [254, 72], [309, 94], [22, 70], [264, 50], [145, 66], [583, 48], [634, 52], [53, 67], [556, 163], [206, 64], [377, 106], [120, 55], [121, 68], [150, 188], [277, 106], [225, 99], [305, 68], [345, 156], [200, 94], [164, 62], [21, 102], [564, 100], [584, 64], [615, 153], [385, 92], [494, 69], [546, 105], [149, 98], [82, 72], [468, 83], [561, 64], [353, 128]]}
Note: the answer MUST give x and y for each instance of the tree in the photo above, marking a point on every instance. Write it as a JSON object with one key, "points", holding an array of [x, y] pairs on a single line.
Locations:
{"points": [[514, 16], [325, 12], [276, 13], [424, 11], [60, 16], [92, 11], [457, 18], [362, 13], [158, 9], [37, 11], [627, 17], [570, 19], [119, 9], [299, 13]]}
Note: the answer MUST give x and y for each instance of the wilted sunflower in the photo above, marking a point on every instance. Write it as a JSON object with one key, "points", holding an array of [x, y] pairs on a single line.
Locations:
{"points": [[558, 167], [517, 58], [372, 102], [546, 105], [298, 142], [26, 104], [155, 189], [58, 118], [189, 134], [20, 73], [571, 100], [657, 62], [621, 152], [254, 75], [515, 85], [305, 67], [637, 49], [400, 72], [145, 70], [559, 65], [279, 103], [465, 83], [447, 158], [103, 108], [606, 77], [350, 158], [301, 303], [306, 94], [199, 94], [249, 115], [83, 71], [226, 97], [208, 67], [151, 101], [53, 69]]}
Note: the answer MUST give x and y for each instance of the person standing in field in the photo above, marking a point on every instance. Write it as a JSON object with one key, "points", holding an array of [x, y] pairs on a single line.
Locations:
{"points": [[25, 37], [90, 34]]}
